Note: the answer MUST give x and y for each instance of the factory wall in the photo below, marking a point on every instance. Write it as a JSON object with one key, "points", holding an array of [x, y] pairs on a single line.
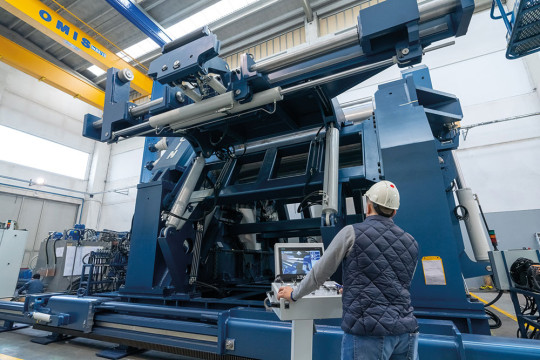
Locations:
{"points": [[122, 179], [33, 107], [497, 160]]}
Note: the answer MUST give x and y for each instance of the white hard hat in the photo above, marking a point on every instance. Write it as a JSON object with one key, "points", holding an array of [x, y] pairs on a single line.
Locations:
{"points": [[384, 193]]}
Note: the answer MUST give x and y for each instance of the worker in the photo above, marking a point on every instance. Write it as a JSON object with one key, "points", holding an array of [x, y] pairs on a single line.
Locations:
{"points": [[34, 286], [379, 260]]}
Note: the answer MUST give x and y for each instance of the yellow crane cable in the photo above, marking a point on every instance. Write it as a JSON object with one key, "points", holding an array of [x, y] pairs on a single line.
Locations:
{"points": [[99, 34]]}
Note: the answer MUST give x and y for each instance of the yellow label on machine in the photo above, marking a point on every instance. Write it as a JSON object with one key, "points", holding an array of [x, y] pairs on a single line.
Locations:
{"points": [[433, 270]]}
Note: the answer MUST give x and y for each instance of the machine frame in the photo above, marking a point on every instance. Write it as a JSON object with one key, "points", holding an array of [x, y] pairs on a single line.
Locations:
{"points": [[257, 139]]}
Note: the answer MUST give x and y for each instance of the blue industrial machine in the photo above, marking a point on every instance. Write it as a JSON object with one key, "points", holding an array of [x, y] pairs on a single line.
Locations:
{"points": [[262, 154], [82, 259]]}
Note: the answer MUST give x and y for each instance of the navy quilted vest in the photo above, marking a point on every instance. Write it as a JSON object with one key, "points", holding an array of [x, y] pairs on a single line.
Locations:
{"points": [[377, 277]]}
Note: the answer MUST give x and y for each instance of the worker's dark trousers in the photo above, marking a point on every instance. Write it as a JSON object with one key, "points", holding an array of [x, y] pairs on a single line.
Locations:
{"points": [[392, 347]]}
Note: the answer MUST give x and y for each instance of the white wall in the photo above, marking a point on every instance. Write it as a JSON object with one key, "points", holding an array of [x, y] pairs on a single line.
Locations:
{"points": [[31, 106], [123, 175]]}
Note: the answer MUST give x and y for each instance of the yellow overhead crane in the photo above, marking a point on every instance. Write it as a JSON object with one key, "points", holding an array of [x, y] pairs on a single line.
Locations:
{"points": [[28, 62], [49, 22]]}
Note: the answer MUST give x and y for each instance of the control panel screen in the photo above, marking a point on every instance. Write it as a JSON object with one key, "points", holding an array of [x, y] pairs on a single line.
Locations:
{"points": [[298, 261]]}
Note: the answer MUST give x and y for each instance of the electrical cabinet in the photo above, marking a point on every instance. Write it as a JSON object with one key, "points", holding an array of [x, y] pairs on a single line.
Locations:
{"points": [[12, 245]]}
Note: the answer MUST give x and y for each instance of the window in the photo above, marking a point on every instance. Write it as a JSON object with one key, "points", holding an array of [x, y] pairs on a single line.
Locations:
{"points": [[32, 151]]}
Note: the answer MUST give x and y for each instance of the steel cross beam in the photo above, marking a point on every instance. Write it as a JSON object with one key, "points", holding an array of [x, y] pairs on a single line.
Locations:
{"points": [[46, 20], [28, 62], [141, 20]]}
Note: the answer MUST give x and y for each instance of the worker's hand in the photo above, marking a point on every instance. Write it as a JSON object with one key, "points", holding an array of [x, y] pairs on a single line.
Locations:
{"points": [[285, 293], [341, 290]]}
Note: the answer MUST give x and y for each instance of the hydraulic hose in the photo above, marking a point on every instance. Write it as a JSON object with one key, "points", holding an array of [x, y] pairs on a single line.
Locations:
{"points": [[494, 300], [495, 318]]}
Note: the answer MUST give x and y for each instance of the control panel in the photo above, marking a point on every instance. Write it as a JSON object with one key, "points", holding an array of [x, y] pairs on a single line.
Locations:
{"points": [[323, 303]]}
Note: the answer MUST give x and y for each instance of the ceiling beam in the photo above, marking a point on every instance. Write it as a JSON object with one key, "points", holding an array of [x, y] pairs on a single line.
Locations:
{"points": [[307, 10], [141, 20], [186, 12], [43, 70], [271, 28], [29, 45], [49, 22]]}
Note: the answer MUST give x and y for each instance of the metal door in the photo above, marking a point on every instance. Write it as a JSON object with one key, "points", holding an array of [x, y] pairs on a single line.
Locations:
{"points": [[38, 216]]}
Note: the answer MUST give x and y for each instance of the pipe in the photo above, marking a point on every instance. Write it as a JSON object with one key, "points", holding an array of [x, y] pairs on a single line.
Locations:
{"points": [[182, 199], [358, 113], [189, 91], [259, 99], [158, 310], [352, 113], [331, 167], [214, 83], [134, 111], [324, 46], [144, 108], [307, 10], [65, 189], [144, 127], [347, 104], [188, 112], [341, 75], [433, 9], [428, 10], [460, 179], [473, 223], [261, 145], [44, 185]]}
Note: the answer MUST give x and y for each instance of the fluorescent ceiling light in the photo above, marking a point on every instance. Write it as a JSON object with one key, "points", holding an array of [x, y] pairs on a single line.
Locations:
{"points": [[200, 19], [38, 181], [138, 50], [207, 16], [95, 70]]}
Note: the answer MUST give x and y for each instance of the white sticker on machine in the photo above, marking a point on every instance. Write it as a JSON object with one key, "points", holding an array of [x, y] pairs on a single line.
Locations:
{"points": [[59, 251], [433, 270]]}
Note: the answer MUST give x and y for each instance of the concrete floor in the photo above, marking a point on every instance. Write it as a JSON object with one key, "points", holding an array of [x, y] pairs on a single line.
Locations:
{"points": [[16, 344], [503, 309]]}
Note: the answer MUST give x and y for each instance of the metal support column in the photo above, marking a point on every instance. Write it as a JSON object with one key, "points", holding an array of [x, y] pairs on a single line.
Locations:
{"points": [[302, 340], [331, 179]]}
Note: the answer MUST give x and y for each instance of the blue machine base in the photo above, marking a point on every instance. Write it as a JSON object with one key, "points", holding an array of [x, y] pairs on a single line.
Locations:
{"points": [[119, 352], [204, 333], [52, 338], [10, 326]]}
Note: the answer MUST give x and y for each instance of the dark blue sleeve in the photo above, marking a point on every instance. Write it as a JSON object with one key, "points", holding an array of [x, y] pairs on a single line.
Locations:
{"points": [[24, 287]]}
